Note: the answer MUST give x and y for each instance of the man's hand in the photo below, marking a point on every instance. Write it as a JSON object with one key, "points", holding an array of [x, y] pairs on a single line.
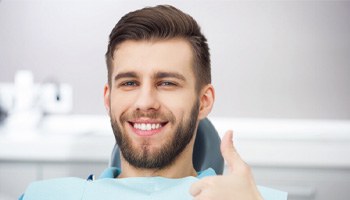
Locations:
{"points": [[237, 184]]}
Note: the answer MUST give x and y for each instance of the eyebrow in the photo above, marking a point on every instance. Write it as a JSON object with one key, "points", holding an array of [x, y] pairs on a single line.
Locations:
{"points": [[160, 75], [125, 75]]}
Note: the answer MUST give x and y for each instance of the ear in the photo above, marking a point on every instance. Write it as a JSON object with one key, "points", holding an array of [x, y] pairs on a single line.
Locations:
{"points": [[106, 97], [207, 97]]}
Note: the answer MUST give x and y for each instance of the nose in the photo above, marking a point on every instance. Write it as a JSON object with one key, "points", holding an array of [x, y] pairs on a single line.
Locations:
{"points": [[147, 99]]}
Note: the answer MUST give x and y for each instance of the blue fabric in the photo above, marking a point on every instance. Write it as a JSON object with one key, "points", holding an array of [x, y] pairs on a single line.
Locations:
{"points": [[108, 187], [113, 172]]}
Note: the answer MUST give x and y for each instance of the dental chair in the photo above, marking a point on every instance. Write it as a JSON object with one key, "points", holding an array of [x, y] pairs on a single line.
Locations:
{"points": [[206, 152]]}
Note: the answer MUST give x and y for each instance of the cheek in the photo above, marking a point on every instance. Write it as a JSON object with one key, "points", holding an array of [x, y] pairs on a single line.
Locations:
{"points": [[119, 103], [169, 101], [180, 104]]}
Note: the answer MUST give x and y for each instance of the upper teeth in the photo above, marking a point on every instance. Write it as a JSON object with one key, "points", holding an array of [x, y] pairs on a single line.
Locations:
{"points": [[147, 127]]}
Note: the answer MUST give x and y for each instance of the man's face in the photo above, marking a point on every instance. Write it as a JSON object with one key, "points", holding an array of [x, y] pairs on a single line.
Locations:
{"points": [[152, 100]]}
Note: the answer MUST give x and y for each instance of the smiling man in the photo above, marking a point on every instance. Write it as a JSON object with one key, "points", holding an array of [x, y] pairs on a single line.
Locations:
{"points": [[152, 123], [159, 88]]}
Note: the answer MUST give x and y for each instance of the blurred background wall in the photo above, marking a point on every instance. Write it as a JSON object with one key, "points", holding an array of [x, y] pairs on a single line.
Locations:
{"points": [[288, 61], [270, 59]]}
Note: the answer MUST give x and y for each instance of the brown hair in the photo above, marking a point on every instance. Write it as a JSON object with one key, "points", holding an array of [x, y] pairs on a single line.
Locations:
{"points": [[160, 23]]}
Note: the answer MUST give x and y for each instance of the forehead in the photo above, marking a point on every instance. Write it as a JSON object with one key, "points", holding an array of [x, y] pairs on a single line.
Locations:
{"points": [[173, 55]]}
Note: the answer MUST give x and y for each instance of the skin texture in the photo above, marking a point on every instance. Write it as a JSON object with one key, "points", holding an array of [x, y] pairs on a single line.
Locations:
{"points": [[153, 82]]}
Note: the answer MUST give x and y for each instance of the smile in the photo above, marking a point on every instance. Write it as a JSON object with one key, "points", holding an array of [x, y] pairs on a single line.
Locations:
{"points": [[147, 127]]}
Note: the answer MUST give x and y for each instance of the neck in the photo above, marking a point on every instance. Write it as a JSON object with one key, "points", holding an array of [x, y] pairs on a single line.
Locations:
{"points": [[181, 167]]}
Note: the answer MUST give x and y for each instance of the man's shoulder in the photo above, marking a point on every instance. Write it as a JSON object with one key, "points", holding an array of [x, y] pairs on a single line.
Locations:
{"points": [[61, 188]]}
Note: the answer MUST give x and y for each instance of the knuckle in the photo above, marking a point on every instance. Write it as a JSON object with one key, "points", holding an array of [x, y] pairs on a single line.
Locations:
{"points": [[209, 182]]}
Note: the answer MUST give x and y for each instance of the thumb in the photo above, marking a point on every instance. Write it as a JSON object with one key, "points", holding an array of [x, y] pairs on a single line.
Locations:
{"points": [[228, 150]]}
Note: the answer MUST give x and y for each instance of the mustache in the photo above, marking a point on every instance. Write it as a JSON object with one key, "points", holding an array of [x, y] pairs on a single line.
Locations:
{"points": [[156, 115]]}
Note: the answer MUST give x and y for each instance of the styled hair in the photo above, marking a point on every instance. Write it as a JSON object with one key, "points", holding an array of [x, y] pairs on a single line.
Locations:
{"points": [[162, 22]]}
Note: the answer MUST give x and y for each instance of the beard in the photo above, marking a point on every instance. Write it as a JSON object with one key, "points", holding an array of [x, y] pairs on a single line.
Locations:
{"points": [[168, 152]]}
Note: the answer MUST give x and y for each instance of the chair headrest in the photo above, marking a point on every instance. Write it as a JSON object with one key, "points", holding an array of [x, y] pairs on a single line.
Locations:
{"points": [[206, 152]]}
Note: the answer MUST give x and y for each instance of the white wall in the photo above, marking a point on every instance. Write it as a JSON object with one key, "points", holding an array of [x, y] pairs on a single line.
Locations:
{"points": [[269, 59]]}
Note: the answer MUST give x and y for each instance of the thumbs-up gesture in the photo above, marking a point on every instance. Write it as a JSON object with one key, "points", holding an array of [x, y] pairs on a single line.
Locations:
{"points": [[237, 184]]}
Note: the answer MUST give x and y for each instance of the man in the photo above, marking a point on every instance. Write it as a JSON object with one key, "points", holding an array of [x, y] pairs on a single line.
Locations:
{"points": [[159, 88]]}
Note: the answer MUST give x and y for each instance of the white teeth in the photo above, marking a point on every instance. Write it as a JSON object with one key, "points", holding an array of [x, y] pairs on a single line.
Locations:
{"points": [[147, 127]]}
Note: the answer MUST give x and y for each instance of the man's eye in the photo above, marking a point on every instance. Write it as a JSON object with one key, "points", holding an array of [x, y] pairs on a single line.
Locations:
{"points": [[166, 83], [129, 83]]}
